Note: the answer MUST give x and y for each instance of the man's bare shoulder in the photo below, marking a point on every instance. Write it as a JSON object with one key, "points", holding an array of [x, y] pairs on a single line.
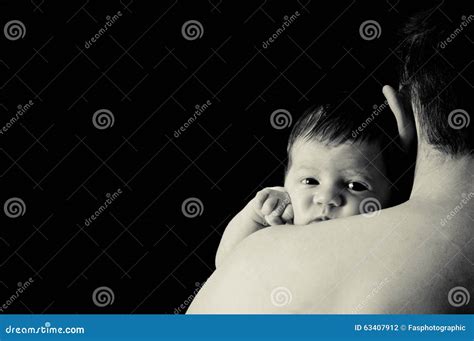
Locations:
{"points": [[390, 263], [250, 279]]}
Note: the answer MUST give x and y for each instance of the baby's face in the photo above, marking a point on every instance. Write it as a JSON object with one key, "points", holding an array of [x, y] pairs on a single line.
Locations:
{"points": [[326, 182]]}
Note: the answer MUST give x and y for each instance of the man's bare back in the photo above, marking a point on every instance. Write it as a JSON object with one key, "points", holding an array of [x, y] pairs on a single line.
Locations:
{"points": [[402, 261]]}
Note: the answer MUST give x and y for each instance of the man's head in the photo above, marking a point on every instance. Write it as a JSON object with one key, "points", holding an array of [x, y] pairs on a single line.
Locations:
{"points": [[437, 74], [337, 163]]}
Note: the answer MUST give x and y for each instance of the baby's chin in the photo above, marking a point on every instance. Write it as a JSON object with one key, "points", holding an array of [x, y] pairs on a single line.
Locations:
{"points": [[312, 220], [320, 219]]}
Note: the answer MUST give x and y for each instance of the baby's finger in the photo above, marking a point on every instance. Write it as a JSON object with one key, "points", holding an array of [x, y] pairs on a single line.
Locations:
{"points": [[273, 220], [269, 205], [288, 214], [261, 197], [283, 201]]}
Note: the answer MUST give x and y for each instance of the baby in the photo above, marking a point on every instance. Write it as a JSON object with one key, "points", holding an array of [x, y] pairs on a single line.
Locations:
{"points": [[337, 167]]}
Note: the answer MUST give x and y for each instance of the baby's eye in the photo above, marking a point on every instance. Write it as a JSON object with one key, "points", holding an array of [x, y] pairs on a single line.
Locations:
{"points": [[310, 181], [357, 186]]}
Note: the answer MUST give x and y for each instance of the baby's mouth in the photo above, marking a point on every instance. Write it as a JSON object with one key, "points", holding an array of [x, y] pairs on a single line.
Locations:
{"points": [[322, 218]]}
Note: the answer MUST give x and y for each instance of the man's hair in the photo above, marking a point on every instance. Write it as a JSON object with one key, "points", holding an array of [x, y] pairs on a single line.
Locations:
{"points": [[436, 72]]}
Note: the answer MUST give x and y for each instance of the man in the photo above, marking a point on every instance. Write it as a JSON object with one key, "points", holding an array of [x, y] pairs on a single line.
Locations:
{"points": [[417, 257]]}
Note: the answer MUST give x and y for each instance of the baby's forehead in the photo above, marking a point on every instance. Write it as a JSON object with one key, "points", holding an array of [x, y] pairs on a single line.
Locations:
{"points": [[349, 156]]}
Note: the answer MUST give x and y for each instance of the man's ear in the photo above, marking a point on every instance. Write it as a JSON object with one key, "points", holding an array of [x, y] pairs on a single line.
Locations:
{"points": [[403, 115]]}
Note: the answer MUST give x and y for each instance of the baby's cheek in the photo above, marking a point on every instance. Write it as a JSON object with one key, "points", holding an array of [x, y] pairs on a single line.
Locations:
{"points": [[299, 213], [297, 219], [296, 213], [351, 207], [301, 204], [385, 198]]}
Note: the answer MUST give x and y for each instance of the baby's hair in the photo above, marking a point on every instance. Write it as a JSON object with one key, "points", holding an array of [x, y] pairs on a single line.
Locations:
{"points": [[337, 123]]}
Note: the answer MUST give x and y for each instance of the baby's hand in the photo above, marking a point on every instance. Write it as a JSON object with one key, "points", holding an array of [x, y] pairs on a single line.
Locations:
{"points": [[273, 204]]}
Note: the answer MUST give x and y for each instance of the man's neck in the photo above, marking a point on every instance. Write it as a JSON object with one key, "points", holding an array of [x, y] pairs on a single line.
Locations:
{"points": [[441, 178]]}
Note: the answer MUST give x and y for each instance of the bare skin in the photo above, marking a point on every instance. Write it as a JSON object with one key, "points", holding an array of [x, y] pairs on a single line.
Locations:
{"points": [[406, 259], [271, 206]]}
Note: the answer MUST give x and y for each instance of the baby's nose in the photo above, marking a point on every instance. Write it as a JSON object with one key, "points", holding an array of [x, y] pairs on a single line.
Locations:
{"points": [[328, 196]]}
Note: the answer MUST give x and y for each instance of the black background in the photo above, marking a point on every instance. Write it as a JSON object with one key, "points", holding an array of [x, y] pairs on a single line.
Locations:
{"points": [[151, 78]]}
